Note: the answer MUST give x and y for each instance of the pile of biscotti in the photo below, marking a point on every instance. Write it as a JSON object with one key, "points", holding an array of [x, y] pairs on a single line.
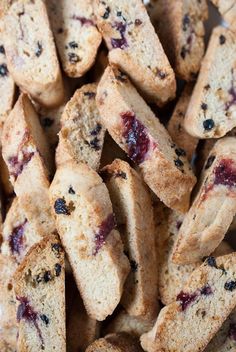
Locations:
{"points": [[112, 223]]}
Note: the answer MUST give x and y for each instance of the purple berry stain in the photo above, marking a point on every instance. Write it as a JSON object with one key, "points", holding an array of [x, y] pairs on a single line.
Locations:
{"points": [[83, 20], [120, 43], [232, 93], [186, 299], [104, 230], [25, 311], [16, 239], [206, 290], [17, 164], [232, 331], [225, 173], [136, 137]]}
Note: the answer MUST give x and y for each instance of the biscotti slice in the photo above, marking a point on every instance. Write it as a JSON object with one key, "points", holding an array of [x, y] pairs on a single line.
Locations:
{"points": [[25, 150], [176, 124], [7, 85], [135, 128], [30, 51], [134, 46], [76, 35], [200, 309], [214, 206], [8, 323], [82, 134], [212, 109], [123, 322], [19, 235], [85, 223], [133, 209], [120, 342], [225, 339], [172, 277], [227, 9], [180, 27], [39, 285]]}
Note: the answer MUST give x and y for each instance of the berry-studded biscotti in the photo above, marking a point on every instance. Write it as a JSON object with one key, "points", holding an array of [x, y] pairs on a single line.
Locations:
{"points": [[212, 108], [135, 128], [26, 154], [39, 285], [227, 9], [82, 134], [134, 46], [123, 322], [86, 224], [225, 339], [19, 235], [189, 323], [176, 124], [180, 27], [8, 323], [133, 209], [120, 342], [77, 37], [214, 206], [30, 51], [7, 85]]}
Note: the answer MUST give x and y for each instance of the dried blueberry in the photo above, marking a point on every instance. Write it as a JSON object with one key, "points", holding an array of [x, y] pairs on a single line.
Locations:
{"points": [[90, 95], [106, 13], [56, 248], [134, 266], [39, 49], [186, 22], [211, 262], [121, 174], [61, 207], [138, 22], [204, 106], [73, 45], [57, 269], [179, 163], [16, 238], [180, 152], [230, 285], [222, 39], [71, 191], [183, 52], [44, 318], [208, 124], [3, 70], [122, 77], [73, 58], [210, 161], [206, 290], [96, 130], [2, 50], [94, 143], [47, 276]]}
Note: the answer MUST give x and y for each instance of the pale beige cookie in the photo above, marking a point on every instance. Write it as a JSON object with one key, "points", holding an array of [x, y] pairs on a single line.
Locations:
{"points": [[30, 51], [39, 285], [180, 27], [28, 158], [76, 35], [225, 339], [85, 222], [119, 342], [135, 128], [8, 323], [134, 46], [82, 134], [123, 322], [214, 206], [133, 209], [19, 235], [212, 109], [227, 9], [200, 309], [175, 125], [7, 85]]}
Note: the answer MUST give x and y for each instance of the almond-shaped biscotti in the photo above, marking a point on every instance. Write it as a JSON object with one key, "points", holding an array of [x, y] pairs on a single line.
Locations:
{"points": [[136, 129], [39, 285], [175, 125], [30, 51], [27, 155], [76, 35], [227, 9], [82, 134], [212, 109], [225, 339], [7, 85], [86, 225], [18, 234], [189, 323], [133, 209], [134, 46], [180, 27], [120, 342], [214, 206]]}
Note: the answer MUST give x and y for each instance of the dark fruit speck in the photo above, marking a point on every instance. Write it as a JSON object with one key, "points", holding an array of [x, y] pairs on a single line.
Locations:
{"points": [[120, 43], [204, 106], [230, 286], [104, 230], [186, 22], [96, 130], [73, 45], [44, 318], [208, 124], [138, 22], [121, 174], [206, 290], [73, 58], [16, 238], [47, 276], [133, 265], [211, 262], [2, 50], [179, 163], [61, 207], [71, 191], [57, 269], [46, 122], [39, 49], [222, 39], [56, 248], [90, 95], [186, 299], [180, 152], [106, 13], [225, 173], [3, 70]]}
